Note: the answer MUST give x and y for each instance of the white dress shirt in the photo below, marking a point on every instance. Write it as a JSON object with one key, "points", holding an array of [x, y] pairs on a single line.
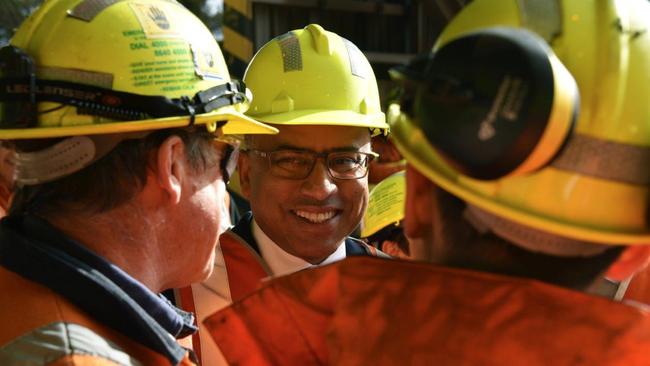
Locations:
{"points": [[281, 262]]}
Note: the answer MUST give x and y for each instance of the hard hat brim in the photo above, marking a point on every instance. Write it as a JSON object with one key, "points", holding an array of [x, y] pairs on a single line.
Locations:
{"points": [[385, 204], [237, 124], [326, 117]]}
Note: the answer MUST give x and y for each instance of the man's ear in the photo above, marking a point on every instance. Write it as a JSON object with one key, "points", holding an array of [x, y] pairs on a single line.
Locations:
{"points": [[632, 260], [244, 174], [172, 167], [418, 207]]}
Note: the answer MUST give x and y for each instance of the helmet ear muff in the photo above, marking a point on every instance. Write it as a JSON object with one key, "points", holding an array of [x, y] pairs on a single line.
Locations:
{"points": [[494, 103]]}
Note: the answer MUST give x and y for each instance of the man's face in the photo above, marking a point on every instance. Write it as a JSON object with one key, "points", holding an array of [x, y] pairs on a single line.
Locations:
{"points": [[308, 217], [202, 212]]}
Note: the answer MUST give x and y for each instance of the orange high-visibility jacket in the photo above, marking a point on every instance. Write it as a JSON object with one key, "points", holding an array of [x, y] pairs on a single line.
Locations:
{"points": [[370, 311], [59, 308]]}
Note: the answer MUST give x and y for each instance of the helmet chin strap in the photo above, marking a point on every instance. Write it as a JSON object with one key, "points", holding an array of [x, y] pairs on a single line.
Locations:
{"points": [[528, 238], [65, 157]]}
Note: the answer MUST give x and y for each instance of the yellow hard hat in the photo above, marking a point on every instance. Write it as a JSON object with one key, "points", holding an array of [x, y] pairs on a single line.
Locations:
{"points": [[314, 77], [385, 204], [83, 67], [492, 115]]}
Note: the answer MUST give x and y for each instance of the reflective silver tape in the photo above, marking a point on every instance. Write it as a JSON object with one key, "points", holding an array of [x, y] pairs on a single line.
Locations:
{"points": [[49, 343], [100, 79], [615, 161], [291, 54], [542, 16], [529, 238], [357, 64], [88, 9]]}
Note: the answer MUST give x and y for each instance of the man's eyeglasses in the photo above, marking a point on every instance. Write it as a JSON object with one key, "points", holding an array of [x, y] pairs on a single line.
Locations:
{"points": [[298, 164], [229, 156]]}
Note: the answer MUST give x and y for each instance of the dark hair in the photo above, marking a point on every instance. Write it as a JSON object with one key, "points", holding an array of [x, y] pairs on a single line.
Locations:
{"points": [[394, 233], [113, 179], [464, 247]]}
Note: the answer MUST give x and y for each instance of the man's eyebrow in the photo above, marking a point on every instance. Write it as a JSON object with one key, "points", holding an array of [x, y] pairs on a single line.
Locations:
{"points": [[290, 147], [345, 149], [335, 149]]}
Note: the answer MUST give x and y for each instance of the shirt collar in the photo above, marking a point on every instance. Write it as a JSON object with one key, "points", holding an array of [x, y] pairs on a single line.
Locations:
{"points": [[280, 262]]}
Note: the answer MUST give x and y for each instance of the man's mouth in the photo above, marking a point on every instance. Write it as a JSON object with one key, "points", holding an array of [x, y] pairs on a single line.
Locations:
{"points": [[316, 218]]}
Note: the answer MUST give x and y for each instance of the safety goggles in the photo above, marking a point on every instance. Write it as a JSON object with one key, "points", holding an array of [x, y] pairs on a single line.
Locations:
{"points": [[21, 90]]}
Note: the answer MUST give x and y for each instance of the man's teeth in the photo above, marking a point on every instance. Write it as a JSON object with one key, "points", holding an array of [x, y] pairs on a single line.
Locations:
{"points": [[316, 217]]}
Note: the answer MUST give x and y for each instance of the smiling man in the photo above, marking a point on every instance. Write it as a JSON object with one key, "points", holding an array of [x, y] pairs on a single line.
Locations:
{"points": [[307, 186], [308, 191], [521, 227]]}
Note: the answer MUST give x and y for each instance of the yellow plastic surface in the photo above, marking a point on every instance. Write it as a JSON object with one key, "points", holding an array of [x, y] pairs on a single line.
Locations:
{"points": [[324, 91], [149, 47]]}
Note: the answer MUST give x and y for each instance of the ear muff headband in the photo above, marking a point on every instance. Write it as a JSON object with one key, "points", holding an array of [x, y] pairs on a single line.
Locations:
{"points": [[493, 103]]}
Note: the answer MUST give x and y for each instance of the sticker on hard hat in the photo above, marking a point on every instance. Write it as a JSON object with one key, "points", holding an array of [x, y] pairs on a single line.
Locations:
{"points": [[169, 62], [157, 21]]}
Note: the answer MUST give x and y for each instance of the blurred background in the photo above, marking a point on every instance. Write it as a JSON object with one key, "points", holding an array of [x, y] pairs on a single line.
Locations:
{"points": [[389, 32]]}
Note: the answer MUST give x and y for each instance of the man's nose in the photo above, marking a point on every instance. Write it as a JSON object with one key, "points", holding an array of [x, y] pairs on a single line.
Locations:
{"points": [[319, 184]]}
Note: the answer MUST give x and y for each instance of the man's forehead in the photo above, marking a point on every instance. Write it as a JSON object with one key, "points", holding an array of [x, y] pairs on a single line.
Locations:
{"points": [[313, 137]]}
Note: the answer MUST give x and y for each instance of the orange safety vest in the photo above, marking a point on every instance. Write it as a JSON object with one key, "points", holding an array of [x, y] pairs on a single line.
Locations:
{"points": [[245, 268], [242, 264], [370, 311]]}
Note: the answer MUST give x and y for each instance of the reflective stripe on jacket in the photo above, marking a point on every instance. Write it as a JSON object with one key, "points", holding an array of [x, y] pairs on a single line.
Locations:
{"points": [[369, 311]]}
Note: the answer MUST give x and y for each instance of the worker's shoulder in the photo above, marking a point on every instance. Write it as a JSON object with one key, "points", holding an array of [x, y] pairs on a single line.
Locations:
{"points": [[45, 328], [29, 305]]}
